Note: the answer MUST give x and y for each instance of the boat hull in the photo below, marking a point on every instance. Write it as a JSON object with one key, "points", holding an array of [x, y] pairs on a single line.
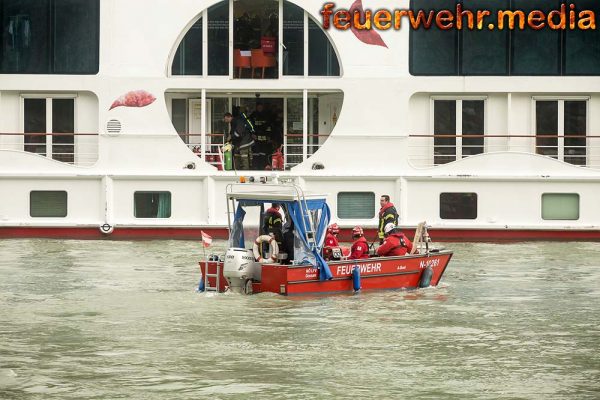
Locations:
{"points": [[378, 273]]}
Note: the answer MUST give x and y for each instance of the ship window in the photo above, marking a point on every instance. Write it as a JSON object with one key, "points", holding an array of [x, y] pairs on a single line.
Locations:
{"points": [[48, 203], [49, 37], [356, 205], [580, 59], [560, 206], [485, 51], [433, 51], [566, 141], [188, 58], [535, 52], [152, 204], [458, 205], [458, 128], [49, 124], [293, 39], [322, 60], [255, 43], [218, 39]]}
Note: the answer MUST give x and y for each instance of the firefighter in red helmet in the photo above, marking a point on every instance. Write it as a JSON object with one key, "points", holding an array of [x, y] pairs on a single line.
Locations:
{"points": [[360, 247], [331, 238]]}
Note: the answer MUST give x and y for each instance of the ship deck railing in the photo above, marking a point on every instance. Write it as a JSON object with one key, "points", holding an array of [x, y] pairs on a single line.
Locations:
{"points": [[296, 148], [429, 150], [80, 149]]}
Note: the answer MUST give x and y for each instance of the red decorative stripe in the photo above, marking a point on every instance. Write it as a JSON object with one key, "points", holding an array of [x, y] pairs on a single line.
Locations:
{"points": [[437, 235]]}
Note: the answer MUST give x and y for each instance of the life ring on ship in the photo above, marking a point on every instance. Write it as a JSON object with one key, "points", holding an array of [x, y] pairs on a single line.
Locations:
{"points": [[106, 228], [273, 249]]}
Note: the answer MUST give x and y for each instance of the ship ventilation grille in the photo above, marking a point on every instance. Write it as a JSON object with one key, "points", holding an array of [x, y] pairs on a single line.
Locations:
{"points": [[113, 126]]}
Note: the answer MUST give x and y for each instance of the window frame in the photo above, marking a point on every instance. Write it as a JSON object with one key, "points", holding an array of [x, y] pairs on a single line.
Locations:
{"points": [[31, 192], [561, 125], [462, 193], [562, 194], [153, 192], [459, 128], [355, 218]]}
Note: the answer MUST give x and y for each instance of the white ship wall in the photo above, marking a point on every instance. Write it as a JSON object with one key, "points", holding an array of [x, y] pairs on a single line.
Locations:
{"points": [[368, 150]]}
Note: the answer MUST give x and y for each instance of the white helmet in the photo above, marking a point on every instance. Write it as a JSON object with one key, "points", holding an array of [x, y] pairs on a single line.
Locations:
{"points": [[389, 228]]}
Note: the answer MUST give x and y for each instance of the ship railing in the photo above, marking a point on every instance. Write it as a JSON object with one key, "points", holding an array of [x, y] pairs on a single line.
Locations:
{"points": [[294, 149], [430, 150], [80, 149]]}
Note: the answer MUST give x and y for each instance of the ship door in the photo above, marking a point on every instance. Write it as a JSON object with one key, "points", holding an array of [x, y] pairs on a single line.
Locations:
{"points": [[195, 121]]}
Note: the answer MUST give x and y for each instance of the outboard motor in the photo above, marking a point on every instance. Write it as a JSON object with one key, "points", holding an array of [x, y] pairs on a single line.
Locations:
{"points": [[240, 269]]}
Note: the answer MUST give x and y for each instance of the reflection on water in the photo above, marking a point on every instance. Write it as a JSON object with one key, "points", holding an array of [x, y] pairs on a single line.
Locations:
{"points": [[102, 319]]}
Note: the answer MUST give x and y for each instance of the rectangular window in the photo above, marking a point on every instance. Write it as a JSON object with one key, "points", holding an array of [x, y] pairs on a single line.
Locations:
{"points": [[433, 51], [63, 126], [356, 205], [484, 52], [293, 39], [34, 122], [49, 36], [535, 52], [48, 203], [546, 128], [575, 125], [458, 129], [561, 129], [582, 47], [560, 206], [458, 205], [179, 117], [49, 126], [152, 204], [218, 39]]}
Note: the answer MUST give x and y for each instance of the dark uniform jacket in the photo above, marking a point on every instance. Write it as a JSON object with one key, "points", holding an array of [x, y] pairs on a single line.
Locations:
{"points": [[387, 214]]}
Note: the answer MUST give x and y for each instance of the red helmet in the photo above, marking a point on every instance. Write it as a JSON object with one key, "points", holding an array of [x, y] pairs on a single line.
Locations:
{"points": [[357, 231], [334, 229]]}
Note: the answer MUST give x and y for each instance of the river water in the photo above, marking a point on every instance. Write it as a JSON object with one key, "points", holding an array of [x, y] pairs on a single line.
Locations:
{"points": [[107, 320]]}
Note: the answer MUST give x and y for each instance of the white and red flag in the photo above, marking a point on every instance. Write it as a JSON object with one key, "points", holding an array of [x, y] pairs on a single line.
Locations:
{"points": [[206, 239]]}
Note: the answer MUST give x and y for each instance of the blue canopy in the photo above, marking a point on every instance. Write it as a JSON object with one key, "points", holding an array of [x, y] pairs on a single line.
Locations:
{"points": [[300, 213]]}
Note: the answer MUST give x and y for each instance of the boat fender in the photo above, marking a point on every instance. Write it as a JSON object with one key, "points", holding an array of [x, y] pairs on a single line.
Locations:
{"points": [[426, 276], [273, 249], [107, 228], [356, 278], [201, 284]]}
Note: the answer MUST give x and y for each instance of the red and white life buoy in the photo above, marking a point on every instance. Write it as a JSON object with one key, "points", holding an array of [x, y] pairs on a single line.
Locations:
{"points": [[273, 249]]}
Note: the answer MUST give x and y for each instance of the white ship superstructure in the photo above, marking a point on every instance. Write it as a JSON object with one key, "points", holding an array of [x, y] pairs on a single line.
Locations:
{"points": [[111, 118]]}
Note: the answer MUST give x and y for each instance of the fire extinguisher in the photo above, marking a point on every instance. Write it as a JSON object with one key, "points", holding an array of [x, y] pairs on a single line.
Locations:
{"points": [[277, 160], [227, 157]]}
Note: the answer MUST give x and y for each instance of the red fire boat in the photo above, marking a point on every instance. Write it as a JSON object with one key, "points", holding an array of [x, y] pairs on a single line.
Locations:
{"points": [[248, 268]]}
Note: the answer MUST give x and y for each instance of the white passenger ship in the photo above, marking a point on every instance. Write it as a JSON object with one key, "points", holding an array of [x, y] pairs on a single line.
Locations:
{"points": [[111, 118]]}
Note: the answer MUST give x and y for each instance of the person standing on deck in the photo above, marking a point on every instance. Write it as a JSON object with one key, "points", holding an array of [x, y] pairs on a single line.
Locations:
{"points": [[395, 244], [262, 121], [360, 247], [240, 135], [387, 215], [273, 223]]}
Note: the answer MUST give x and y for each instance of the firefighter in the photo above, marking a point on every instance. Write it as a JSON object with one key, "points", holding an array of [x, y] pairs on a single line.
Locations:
{"points": [[273, 223], [395, 244], [360, 247], [331, 239], [387, 215], [241, 132], [262, 148]]}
